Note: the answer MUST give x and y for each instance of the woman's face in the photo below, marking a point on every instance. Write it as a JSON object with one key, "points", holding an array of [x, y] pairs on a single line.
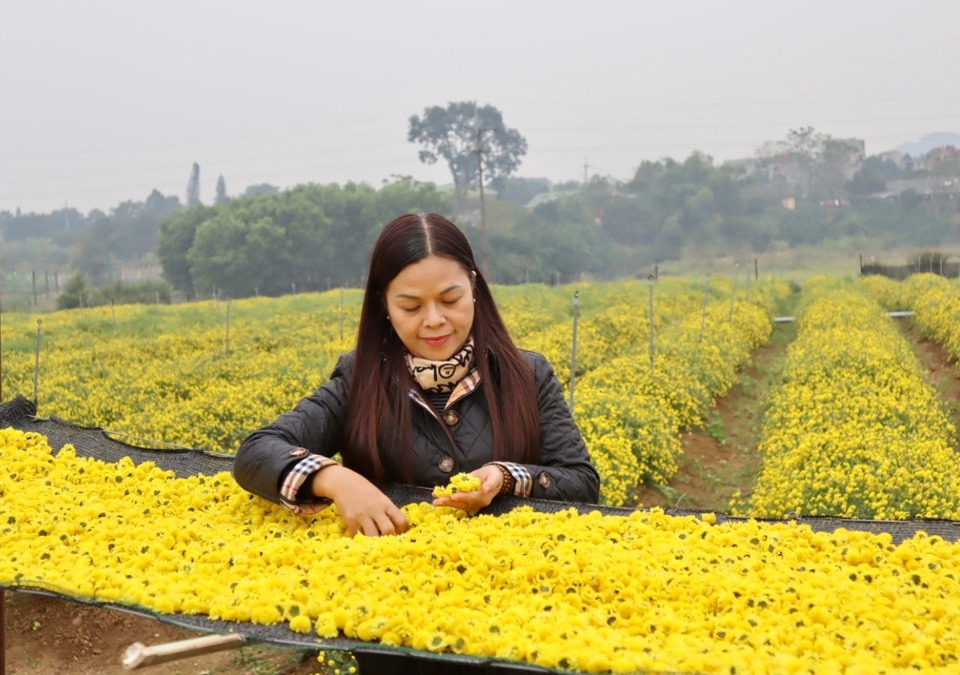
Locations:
{"points": [[430, 305]]}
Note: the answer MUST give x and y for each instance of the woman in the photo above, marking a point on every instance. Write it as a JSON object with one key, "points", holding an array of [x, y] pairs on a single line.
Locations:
{"points": [[435, 387]]}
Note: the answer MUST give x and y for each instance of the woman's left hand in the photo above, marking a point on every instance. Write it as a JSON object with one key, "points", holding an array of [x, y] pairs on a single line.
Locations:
{"points": [[491, 480]]}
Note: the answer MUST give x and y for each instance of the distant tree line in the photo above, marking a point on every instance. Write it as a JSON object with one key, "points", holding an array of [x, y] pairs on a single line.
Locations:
{"points": [[78, 293], [97, 245], [312, 237]]}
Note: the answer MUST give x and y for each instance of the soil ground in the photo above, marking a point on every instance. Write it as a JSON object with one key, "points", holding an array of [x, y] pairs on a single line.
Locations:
{"points": [[721, 458], [47, 635]]}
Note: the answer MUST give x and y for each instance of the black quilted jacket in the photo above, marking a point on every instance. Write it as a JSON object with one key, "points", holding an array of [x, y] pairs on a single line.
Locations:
{"points": [[317, 424]]}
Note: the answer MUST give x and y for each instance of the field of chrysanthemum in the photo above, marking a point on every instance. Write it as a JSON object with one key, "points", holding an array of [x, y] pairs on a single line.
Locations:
{"points": [[850, 426], [206, 374]]}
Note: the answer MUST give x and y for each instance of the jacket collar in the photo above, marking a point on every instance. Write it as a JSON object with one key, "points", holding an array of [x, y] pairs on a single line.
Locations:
{"points": [[465, 386]]}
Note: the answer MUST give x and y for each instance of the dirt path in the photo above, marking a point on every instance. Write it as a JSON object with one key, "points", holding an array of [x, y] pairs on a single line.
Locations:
{"points": [[942, 373], [721, 458]]}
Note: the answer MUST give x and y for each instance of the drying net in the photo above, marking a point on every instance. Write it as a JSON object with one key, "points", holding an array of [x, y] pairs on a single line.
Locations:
{"points": [[97, 443]]}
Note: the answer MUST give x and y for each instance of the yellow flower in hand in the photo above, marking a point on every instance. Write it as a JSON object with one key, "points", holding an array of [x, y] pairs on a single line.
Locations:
{"points": [[461, 482]]}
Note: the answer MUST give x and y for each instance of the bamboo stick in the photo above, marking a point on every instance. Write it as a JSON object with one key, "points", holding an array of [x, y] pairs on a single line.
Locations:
{"points": [[137, 654]]}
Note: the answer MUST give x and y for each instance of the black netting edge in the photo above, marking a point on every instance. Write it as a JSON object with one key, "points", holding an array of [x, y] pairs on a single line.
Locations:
{"points": [[95, 442], [276, 634], [279, 634]]}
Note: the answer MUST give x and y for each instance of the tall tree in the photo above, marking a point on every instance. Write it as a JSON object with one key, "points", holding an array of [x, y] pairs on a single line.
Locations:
{"points": [[93, 260], [177, 234], [814, 165], [796, 158], [74, 292], [160, 204], [193, 186], [260, 189], [221, 197], [461, 131]]}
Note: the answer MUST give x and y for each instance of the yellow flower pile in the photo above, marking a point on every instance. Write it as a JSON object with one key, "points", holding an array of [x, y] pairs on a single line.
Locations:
{"points": [[592, 593], [461, 482], [854, 429]]}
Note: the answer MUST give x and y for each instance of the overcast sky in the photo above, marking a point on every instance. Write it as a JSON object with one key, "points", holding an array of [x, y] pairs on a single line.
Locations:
{"points": [[105, 100]]}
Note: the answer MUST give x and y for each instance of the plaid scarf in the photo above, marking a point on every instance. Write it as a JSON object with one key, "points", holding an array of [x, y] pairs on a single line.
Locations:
{"points": [[441, 376]]}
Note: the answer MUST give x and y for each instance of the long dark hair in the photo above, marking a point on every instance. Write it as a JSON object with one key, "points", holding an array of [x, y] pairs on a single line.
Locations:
{"points": [[379, 391]]}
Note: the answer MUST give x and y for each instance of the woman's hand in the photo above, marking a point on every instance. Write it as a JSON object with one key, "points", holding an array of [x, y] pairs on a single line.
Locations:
{"points": [[491, 480], [362, 505]]}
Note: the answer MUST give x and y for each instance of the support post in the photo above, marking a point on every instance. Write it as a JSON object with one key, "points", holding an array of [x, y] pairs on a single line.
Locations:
{"points": [[652, 330], [573, 351], [227, 338], [36, 368], [703, 309], [733, 292]]}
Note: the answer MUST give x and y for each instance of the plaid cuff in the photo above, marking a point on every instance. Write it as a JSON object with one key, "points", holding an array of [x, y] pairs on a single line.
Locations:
{"points": [[522, 480], [295, 479]]}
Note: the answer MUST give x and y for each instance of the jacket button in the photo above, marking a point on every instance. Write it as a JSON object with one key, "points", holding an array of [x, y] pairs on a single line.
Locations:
{"points": [[544, 480], [451, 417], [446, 464]]}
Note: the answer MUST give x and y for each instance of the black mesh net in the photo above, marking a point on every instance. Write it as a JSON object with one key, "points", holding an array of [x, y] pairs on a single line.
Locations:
{"points": [[94, 442]]}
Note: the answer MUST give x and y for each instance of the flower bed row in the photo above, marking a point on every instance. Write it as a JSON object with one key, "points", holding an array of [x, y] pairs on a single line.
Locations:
{"points": [[854, 429], [631, 414], [592, 593], [935, 302]]}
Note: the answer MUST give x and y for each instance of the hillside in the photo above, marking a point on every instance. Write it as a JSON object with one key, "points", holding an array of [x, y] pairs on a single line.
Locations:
{"points": [[928, 142]]}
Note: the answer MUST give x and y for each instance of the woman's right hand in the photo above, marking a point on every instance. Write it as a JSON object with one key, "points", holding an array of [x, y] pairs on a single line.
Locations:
{"points": [[362, 505]]}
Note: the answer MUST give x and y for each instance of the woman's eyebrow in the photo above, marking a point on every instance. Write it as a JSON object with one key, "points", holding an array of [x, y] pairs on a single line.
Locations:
{"points": [[408, 296]]}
